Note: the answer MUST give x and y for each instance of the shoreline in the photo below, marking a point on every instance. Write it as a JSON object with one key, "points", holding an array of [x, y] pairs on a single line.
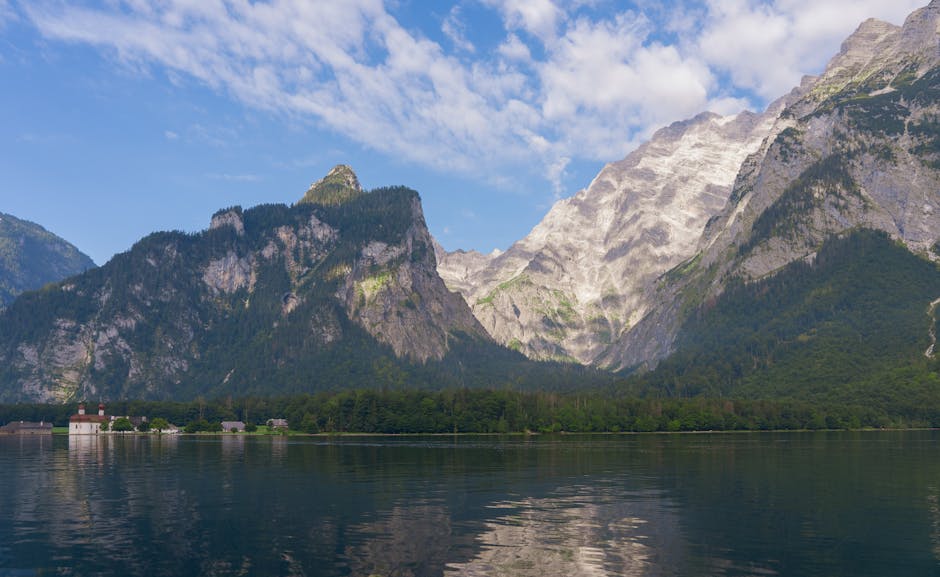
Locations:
{"points": [[470, 434]]}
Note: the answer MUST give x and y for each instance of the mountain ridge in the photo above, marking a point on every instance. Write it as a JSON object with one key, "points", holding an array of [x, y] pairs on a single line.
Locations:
{"points": [[309, 295], [856, 146]]}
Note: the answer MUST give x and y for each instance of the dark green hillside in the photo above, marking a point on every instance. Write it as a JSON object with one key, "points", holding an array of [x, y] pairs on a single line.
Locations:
{"points": [[31, 256], [851, 328], [259, 304]]}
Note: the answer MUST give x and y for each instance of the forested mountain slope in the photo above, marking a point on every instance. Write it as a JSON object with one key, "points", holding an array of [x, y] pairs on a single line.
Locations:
{"points": [[337, 291], [31, 256], [854, 325]]}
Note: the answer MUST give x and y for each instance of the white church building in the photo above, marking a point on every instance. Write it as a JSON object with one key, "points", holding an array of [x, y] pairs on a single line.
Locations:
{"points": [[83, 424]]}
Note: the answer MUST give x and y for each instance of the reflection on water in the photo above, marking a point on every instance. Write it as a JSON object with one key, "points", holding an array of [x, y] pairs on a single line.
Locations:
{"points": [[409, 539], [565, 537], [831, 504], [933, 507]]}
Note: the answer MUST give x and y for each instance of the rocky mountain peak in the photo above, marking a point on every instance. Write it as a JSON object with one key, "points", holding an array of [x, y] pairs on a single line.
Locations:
{"points": [[877, 58], [860, 45], [228, 217], [338, 186], [714, 198], [919, 36], [855, 149], [579, 278]]}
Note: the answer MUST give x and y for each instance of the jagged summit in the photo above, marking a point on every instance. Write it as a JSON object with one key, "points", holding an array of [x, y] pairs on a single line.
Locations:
{"points": [[856, 149], [608, 275], [877, 58], [337, 187]]}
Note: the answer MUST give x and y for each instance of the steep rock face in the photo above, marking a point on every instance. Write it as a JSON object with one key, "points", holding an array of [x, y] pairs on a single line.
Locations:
{"points": [[308, 295], [31, 256], [581, 278], [857, 147], [395, 293]]}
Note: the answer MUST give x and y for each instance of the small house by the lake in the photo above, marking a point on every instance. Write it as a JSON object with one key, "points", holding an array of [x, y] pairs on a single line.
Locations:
{"points": [[84, 424], [277, 423], [26, 428], [228, 426]]}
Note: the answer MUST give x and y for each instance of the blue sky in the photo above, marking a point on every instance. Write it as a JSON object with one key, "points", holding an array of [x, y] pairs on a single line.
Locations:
{"points": [[122, 117]]}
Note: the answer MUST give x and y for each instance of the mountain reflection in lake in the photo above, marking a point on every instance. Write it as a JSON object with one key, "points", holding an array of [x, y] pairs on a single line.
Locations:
{"points": [[569, 536], [788, 504]]}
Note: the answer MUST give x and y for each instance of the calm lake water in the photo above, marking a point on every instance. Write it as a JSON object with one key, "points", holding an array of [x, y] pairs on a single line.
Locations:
{"points": [[823, 504]]}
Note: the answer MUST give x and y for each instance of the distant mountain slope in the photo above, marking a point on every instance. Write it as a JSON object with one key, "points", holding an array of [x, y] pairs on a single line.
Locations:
{"points": [[853, 326], [31, 256], [339, 290]]}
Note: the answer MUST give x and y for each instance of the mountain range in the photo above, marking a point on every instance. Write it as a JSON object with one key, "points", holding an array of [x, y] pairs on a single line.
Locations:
{"points": [[335, 291], [786, 253], [611, 274]]}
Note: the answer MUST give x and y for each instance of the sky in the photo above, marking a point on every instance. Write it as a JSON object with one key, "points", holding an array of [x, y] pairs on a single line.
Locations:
{"points": [[119, 118]]}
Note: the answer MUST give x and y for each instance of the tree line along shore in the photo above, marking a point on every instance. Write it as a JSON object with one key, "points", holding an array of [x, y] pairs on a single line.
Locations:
{"points": [[498, 411]]}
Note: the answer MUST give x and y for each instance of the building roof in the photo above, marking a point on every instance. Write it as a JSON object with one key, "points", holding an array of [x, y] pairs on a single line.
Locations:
{"points": [[83, 417], [88, 418], [23, 426]]}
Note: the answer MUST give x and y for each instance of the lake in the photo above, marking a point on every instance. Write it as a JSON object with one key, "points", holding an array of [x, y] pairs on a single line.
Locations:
{"points": [[807, 504]]}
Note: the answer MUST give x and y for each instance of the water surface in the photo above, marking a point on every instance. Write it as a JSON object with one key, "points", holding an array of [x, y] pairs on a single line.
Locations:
{"points": [[813, 504]]}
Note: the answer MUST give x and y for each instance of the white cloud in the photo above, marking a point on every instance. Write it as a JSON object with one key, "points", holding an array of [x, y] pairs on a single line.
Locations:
{"points": [[540, 18], [515, 49], [170, 135], [455, 29], [767, 46], [556, 173], [564, 82], [606, 85]]}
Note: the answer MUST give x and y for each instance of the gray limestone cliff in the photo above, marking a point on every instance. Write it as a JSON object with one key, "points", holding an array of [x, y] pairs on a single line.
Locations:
{"points": [[607, 277], [394, 292], [581, 278], [856, 147]]}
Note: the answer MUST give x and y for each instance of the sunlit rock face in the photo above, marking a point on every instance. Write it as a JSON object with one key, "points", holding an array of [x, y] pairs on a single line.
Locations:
{"points": [[607, 277], [580, 279], [394, 292], [855, 147]]}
